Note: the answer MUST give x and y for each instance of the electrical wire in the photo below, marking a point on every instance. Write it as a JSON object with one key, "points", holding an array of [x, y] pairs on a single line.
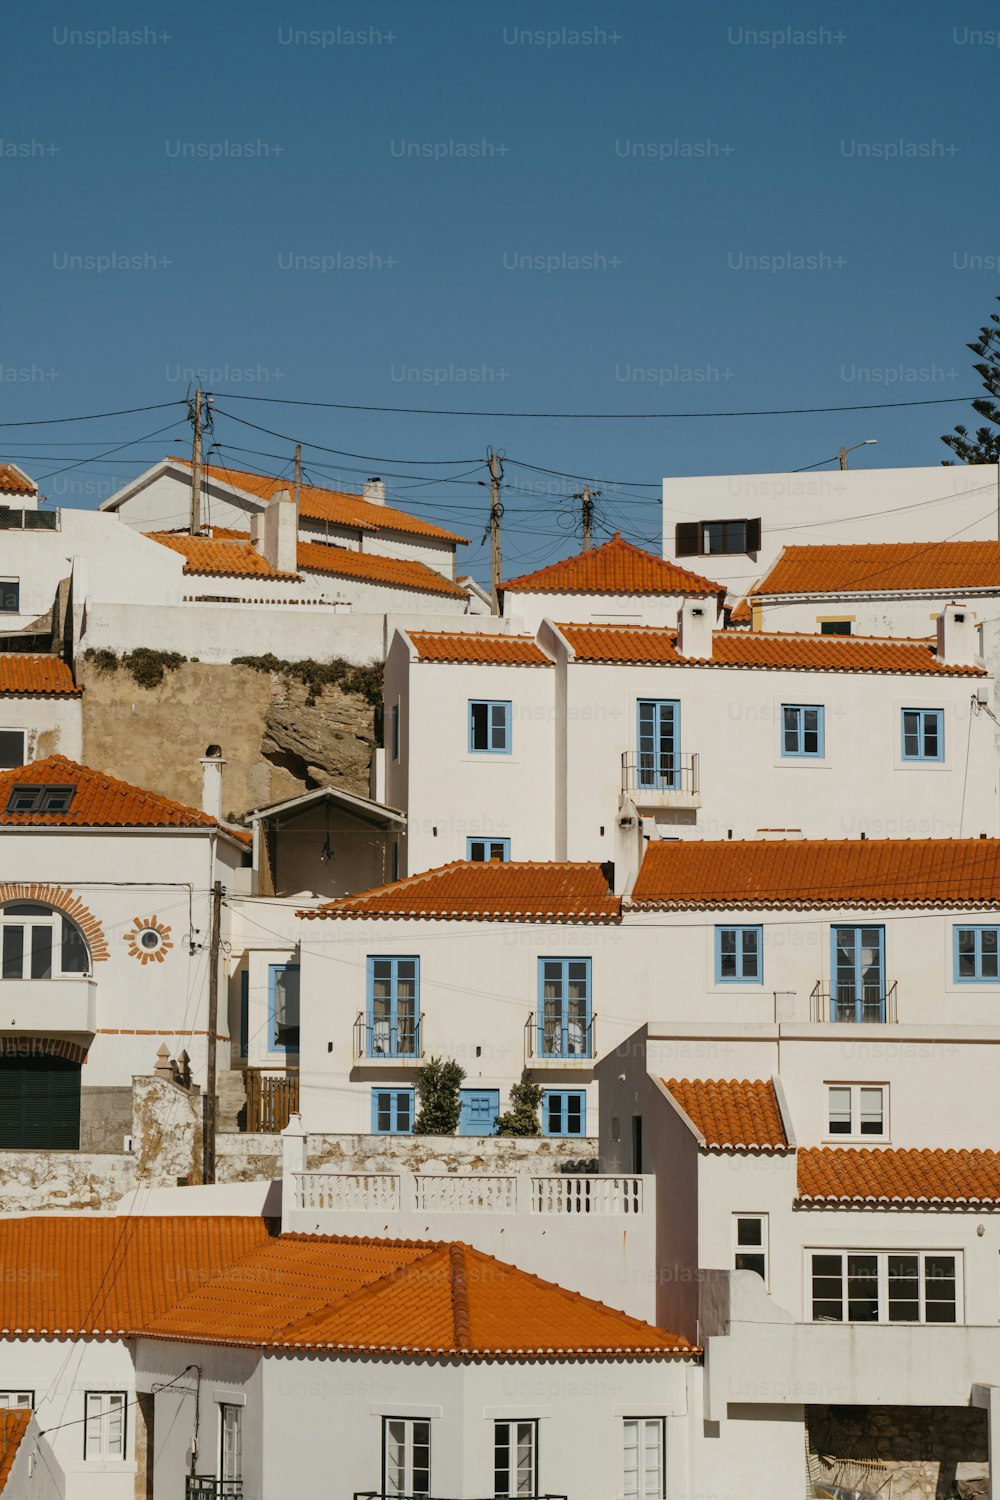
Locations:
{"points": [[94, 416]]}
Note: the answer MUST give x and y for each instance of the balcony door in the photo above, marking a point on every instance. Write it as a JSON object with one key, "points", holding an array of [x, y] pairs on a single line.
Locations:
{"points": [[858, 974], [393, 1020], [658, 744]]}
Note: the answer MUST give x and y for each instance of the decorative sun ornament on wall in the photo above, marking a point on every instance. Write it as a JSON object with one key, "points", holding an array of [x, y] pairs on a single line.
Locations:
{"points": [[149, 940]]}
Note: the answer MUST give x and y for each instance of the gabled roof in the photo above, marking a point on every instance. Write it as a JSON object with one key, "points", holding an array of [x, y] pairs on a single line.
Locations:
{"points": [[318, 504], [99, 801], [14, 1426], [36, 677], [234, 1281], [650, 645], [818, 873], [397, 572], [732, 1113], [379, 814], [472, 647], [616, 567], [884, 567], [229, 554], [14, 481], [513, 891], [872, 1177]]}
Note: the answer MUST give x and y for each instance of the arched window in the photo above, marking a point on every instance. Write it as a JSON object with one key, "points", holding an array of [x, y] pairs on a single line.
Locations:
{"points": [[40, 942]]}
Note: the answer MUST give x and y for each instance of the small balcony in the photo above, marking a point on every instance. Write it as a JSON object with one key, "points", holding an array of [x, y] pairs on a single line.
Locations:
{"points": [[393, 1043], [207, 1487], [854, 1006], [559, 1044], [662, 780], [40, 1006]]}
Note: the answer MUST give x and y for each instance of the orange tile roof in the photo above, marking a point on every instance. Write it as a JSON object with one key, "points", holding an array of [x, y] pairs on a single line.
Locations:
{"points": [[489, 650], [14, 481], [233, 1281], [616, 567], [219, 554], [318, 504], [397, 572], [732, 1113], [650, 645], [36, 677], [819, 873], [514, 891], [884, 567], [13, 1430], [100, 801], [741, 613], [873, 1176]]}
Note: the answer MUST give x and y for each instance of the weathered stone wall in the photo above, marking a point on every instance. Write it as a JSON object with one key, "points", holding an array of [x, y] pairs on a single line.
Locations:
{"points": [[921, 1451], [247, 1158], [105, 1118], [273, 744]]}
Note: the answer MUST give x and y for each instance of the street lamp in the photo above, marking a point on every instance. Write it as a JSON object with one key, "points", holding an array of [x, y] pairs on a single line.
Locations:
{"points": [[845, 451]]}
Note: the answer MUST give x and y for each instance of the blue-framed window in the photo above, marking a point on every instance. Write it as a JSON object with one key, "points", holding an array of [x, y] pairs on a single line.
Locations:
{"points": [[392, 1111], [803, 730], [658, 744], [739, 955], [858, 966], [923, 733], [564, 1112], [394, 731], [977, 955], [487, 851], [283, 1007], [565, 1022], [393, 1020], [489, 726], [245, 1013]]}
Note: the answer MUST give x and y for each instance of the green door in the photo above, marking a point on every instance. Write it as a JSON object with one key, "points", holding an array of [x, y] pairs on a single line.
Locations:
{"points": [[39, 1104]]}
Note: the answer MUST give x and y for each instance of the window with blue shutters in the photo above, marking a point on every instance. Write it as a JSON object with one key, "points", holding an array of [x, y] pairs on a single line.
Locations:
{"points": [[923, 733], [392, 1111], [565, 1023], [487, 851], [977, 955], [802, 731], [489, 726], [393, 1018], [738, 955], [564, 1112]]}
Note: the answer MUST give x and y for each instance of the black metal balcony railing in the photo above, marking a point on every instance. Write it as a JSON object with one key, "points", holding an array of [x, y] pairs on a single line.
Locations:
{"points": [[557, 1039], [653, 773], [848, 1005], [399, 1039], [208, 1487]]}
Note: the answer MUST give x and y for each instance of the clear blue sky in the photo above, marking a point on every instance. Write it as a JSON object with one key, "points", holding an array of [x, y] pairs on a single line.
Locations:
{"points": [[672, 147]]}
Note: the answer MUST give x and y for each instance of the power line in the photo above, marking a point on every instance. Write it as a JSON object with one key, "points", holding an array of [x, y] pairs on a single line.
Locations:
{"points": [[94, 416]]}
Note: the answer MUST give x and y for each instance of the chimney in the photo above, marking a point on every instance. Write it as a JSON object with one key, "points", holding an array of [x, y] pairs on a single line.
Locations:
{"points": [[275, 532], [695, 623], [375, 491], [211, 782], [957, 636]]}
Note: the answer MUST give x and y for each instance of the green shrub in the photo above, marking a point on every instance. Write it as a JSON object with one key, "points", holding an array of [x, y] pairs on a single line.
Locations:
{"points": [[522, 1117], [439, 1085]]}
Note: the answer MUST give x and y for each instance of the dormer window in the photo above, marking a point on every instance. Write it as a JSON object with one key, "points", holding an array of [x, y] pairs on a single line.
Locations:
{"points": [[40, 799]]}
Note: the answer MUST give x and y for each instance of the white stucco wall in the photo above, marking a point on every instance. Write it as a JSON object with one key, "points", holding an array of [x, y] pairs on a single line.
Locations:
{"points": [[52, 726], [897, 615], [526, 610]]}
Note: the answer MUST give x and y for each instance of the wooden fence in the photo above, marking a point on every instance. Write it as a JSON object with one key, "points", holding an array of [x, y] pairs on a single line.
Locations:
{"points": [[271, 1099]]}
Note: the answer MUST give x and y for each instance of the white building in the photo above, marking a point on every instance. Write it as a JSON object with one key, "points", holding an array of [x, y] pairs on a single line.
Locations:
{"points": [[739, 523], [577, 742], [39, 710]]}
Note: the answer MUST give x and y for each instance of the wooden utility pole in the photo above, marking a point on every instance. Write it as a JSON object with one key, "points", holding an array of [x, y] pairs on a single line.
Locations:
{"points": [[496, 511], [211, 1123], [843, 458], [298, 475], [587, 496], [196, 466]]}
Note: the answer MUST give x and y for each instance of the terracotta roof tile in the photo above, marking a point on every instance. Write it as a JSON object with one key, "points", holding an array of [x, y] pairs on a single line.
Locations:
{"points": [[397, 572], [773, 651], [496, 650], [885, 1176], [36, 677], [514, 891], [884, 567], [14, 481], [741, 613], [318, 504], [616, 567], [732, 1113], [99, 801], [219, 555], [13, 1430], [819, 873]]}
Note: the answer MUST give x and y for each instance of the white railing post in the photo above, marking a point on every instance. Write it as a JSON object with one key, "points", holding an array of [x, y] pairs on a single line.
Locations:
{"points": [[523, 1189], [294, 1160], [409, 1192]]}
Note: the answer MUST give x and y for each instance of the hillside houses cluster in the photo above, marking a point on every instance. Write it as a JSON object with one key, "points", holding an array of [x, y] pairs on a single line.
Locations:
{"points": [[704, 847]]}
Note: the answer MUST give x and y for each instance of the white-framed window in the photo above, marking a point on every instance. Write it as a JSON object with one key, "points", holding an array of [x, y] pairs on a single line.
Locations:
{"points": [[885, 1286], [858, 1110], [10, 596], [104, 1427], [750, 1244], [13, 749], [515, 1458], [643, 1470], [406, 1456], [230, 1441], [17, 1400], [39, 942]]}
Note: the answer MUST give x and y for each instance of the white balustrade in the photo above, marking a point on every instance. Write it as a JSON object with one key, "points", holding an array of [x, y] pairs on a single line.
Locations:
{"points": [[586, 1194], [458, 1193], [348, 1192], [447, 1192]]}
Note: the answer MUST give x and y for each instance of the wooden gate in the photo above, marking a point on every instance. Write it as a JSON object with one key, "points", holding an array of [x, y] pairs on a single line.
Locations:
{"points": [[271, 1099]]}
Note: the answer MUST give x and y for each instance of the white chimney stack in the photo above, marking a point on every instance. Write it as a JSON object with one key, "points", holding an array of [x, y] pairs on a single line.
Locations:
{"points": [[375, 491], [275, 532], [695, 623], [211, 782], [957, 636]]}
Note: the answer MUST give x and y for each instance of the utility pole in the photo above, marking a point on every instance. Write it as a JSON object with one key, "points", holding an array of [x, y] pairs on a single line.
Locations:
{"points": [[587, 496], [298, 475], [843, 458], [196, 466], [215, 943], [496, 511]]}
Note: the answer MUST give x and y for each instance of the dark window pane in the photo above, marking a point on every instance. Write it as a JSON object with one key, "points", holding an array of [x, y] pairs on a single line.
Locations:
{"points": [[41, 952], [13, 952], [74, 949]]}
